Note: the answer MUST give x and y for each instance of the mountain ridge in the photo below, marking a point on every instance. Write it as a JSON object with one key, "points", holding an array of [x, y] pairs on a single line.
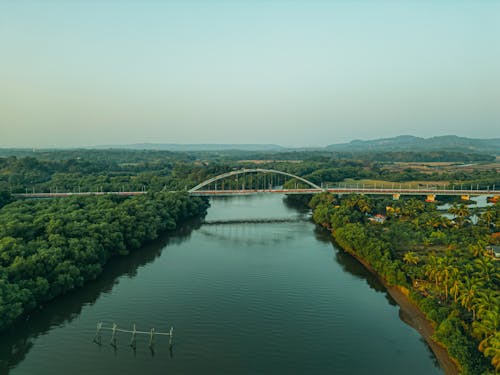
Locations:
{"points": [[194, 146], [413, 143]]}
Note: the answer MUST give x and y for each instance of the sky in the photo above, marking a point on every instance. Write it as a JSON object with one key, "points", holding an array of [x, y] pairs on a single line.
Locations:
{"points": [[293, 73]]}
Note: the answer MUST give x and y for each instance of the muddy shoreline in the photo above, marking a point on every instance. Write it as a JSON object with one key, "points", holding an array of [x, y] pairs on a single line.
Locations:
{"points": [[414, 317]]}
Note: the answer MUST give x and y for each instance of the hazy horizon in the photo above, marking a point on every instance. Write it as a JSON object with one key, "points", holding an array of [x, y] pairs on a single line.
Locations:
{"points": [[291, 73]]}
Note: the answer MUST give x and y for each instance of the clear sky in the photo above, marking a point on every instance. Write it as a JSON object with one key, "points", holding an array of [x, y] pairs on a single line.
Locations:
{"points": [[295, 73]]}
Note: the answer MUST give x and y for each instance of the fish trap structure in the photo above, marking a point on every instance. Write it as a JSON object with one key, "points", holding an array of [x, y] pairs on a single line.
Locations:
{"points": [[133, 338]]}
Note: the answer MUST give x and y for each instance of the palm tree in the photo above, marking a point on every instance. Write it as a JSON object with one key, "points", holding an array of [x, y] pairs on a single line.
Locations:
{"points": [[486, 268], [455, 288], [488, 216], [478, 248], [460, 212], [468, 295], [491, 348], [412, 208], [411, 258], [447, 271], [437, 221], [487, 302], [432, 269], [486, 327]]}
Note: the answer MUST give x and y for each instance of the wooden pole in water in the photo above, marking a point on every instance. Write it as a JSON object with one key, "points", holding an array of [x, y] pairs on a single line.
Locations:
{"points": [[132, 341], [151, 340], [171, 339], [97, 337], [113, 337]]}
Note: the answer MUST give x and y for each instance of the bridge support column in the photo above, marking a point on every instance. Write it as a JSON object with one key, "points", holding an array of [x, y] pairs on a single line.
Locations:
{"points": [[465, 197], [396, 196], [431, 198]]}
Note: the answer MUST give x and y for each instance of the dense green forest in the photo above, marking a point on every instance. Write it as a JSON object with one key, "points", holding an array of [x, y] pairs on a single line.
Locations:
{"points": [[134, 170], [444, 263], [49, 247]]}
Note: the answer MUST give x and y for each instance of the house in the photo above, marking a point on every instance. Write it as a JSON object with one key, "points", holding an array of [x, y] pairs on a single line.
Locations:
{"points": [[378, 218], [493, 250]]}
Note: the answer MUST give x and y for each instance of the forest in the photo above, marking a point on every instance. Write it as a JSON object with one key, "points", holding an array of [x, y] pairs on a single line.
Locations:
{"points": [[49, 247], [135, 170], [445, 263]]}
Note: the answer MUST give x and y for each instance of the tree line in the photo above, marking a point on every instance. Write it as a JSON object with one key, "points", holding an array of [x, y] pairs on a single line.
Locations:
{"points": [[445, 264], [49, 247], [116, 170]]}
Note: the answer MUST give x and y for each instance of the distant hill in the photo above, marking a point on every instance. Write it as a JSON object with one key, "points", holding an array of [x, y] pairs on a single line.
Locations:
{"points": [[194, 147], [402, 143], [411, 143]]}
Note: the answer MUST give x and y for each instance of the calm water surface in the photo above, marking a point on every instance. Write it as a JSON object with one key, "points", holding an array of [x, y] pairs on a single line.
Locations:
{"points": [[244, 298]]}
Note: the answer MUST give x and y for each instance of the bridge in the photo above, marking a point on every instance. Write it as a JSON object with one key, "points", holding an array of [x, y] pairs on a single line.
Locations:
{"points": [[312, 188], [71, 194], [264, 182]]}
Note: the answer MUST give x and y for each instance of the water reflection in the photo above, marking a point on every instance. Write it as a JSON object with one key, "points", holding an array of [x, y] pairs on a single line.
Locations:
{"points": [[241, 299], [16, 342], [352, 266], [249, 234]]}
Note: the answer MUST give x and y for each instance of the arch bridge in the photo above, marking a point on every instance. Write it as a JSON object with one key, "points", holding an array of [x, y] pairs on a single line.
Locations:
{"points": [[248, 186], [263, 182]]}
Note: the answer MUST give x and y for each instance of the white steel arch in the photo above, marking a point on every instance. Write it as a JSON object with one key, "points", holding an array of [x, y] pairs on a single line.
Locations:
{"points": [[254, 170]]}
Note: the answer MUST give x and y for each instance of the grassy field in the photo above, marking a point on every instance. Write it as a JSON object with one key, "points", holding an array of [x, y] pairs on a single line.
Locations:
{"points": [[430, 167], [388, 184]]}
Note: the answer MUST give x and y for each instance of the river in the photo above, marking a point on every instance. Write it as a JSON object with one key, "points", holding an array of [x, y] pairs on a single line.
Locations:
{"points": [[244, 297]]}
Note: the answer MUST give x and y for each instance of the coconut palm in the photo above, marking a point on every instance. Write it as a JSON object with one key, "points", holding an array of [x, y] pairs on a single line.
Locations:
{"points": [[455, 288], [487, 302], [491, 348], [432, 269], [488, 216], [486, 269], [477, 249], [486, 327], [411, 258], [447, 271], [460, 212], [437, 221], [412, 208], [468, 295]]}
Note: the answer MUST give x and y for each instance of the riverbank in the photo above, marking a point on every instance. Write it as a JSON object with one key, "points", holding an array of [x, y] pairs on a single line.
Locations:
{"points": [[242, 298], [52, 247], [414, 317], [414, 244]]}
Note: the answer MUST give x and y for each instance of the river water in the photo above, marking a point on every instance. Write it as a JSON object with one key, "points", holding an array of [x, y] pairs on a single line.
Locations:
{"points": [[244, 297]]}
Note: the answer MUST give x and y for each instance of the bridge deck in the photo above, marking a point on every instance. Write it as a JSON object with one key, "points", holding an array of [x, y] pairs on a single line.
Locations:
{"points": [[70, 194], [367, 191], [338, 190]]}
